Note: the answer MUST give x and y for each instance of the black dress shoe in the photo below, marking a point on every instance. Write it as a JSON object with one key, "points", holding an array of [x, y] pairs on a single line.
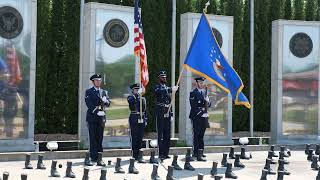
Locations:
{"points": [[193, 158], [167, 157], [101, 163], [162, 158], [189, 167], [99, 160], [140, 157], [87, 162], [142, 161], [200, 158]]}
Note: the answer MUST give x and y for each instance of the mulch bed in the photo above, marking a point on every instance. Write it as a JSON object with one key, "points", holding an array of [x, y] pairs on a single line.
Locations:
{"points": [[56, 137]]}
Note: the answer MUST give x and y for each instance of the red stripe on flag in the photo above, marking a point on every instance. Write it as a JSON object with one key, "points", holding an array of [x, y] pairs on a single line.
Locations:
{"points": [[140, 52]]}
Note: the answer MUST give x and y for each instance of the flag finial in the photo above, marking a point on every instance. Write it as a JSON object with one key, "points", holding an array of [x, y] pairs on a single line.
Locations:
{"points": [[205, 9]]}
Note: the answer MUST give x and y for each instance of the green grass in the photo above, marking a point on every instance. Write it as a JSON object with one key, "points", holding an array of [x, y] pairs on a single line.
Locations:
{"points": [[308, 115], [181, 143], [121, 113], [217, 118]]}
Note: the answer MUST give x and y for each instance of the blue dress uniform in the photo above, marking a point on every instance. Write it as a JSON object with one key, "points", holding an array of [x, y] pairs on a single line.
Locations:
{"points": [[199, 117], [136, 125], [96, 121], [163, 100]]}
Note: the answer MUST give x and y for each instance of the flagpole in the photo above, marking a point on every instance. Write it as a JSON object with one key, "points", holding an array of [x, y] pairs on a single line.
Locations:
{"points": [[80, 64], [173, 61], [174, 93], [139, 60], [251, 63], [180, 75]]}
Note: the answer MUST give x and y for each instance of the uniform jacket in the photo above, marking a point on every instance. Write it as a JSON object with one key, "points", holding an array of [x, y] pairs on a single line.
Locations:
{"points": [[163, 98], [93, 99], [134, 106], [198, 104]]}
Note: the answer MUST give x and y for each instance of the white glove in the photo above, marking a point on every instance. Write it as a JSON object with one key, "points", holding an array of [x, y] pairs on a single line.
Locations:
{"points": [[207, 99], [175, 88], [140, 90], [104, 99], [205, 115], [101, 113]]}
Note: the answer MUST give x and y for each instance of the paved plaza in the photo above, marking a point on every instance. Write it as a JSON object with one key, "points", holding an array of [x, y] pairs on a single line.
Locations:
{"points": [[299, 168]]}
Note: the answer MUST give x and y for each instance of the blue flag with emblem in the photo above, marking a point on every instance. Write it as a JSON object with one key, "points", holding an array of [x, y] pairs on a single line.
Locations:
{"points": [[206, 59]]}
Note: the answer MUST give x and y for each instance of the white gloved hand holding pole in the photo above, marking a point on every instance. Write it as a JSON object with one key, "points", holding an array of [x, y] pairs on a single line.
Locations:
{"points": [[104, 99], [101, 113], [175, 88]]}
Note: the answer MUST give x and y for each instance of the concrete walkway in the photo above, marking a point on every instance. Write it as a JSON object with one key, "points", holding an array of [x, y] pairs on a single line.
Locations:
{"points": [[299, 168]]}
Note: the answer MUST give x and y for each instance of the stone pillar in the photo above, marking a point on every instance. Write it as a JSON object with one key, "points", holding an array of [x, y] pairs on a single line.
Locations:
{"points": [[108, 50], [18, 25], [295, 82], [220, 114]]}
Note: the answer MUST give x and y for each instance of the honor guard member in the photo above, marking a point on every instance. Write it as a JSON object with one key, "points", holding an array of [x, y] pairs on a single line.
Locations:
{"points": [[137, 121], [199, 102], [96, 100], [163, 114]]}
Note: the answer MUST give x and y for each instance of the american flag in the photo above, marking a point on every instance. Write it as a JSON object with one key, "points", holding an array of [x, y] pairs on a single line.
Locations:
{"points": [[14, 67], [139, 45]]}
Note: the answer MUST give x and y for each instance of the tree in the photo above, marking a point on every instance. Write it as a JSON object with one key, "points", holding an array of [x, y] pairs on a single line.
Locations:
{"points": [[43, 42], [240, 115], [318, 10], [213, 9], [128, 2], [237, 13], [221, 7], [190, 5], [287, 10], [54, 107], [58, 53], [310, 10], [157, 33], [229, 7], [70, 68], [183, 6], [298, 10], [275, 9], [200, 5], [237, 9], [262, 65]]}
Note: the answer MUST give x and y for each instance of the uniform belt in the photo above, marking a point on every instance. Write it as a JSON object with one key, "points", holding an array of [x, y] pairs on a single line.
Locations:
{"points": [[164, 105], [201, 108]]}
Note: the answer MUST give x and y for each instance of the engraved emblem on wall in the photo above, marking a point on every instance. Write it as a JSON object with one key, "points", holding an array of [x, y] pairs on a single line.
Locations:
{"points": [[300, 45], [11, 22], [116, 33], [218, 36]]}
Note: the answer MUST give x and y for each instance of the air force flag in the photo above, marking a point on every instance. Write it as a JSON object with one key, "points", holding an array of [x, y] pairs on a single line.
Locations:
{"points": [[206, 59]]}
